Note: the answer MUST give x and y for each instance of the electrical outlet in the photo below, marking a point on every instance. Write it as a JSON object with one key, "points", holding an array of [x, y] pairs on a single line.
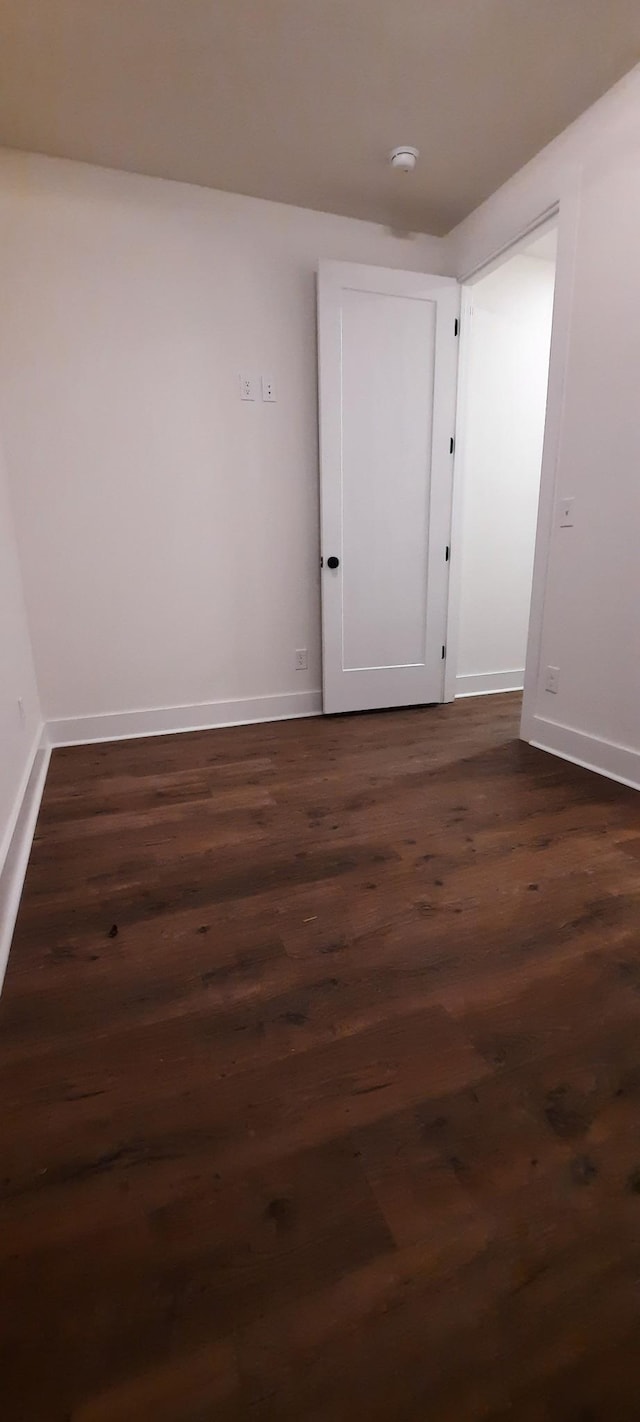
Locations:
{"points": [[302, 659], [268, 390], [248, 387], [552, 682]]}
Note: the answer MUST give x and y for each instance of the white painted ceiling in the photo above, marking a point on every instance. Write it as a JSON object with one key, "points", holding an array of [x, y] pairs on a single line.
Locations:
{"points": [[300, 100]]}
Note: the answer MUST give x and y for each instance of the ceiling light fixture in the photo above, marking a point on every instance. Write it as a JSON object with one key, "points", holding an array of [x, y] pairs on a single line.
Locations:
{"points": [[404, 157]]}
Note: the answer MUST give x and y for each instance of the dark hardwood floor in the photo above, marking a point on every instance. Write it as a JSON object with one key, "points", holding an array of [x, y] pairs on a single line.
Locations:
{"points": [[320, 1081]]}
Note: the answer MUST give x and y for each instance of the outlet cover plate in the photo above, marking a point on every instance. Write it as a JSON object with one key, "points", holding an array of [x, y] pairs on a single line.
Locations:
{"points": [[248, 387]]}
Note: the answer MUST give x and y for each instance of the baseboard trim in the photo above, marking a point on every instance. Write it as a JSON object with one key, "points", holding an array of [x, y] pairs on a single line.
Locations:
{"points": [[14, 866], [487, 683], [606, 758], [39, 740], [171, 720]]}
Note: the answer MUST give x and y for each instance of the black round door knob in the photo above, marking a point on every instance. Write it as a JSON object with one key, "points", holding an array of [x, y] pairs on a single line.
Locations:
{"points": [[333, 562]]}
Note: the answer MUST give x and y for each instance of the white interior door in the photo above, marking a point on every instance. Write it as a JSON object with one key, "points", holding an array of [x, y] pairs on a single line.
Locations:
{"points": [[387, 377]]}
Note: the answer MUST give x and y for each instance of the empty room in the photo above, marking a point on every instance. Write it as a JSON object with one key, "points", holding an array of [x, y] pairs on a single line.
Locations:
{"points": [[319, 711]]}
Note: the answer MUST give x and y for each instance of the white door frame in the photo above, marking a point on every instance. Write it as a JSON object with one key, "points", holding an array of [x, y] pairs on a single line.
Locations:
{"points": [[568, 206]]}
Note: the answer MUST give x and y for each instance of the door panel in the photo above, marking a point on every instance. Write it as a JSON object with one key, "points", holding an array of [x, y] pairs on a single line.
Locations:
{"points": [[387, 366], [387, 407]]}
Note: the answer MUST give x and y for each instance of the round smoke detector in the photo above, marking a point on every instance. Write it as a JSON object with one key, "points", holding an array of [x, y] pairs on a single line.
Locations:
{"points": [[404, 157]]}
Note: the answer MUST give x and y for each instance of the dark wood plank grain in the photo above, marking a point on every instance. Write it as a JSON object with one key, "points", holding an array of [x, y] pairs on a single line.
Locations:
{"points": [[320, 1081]]}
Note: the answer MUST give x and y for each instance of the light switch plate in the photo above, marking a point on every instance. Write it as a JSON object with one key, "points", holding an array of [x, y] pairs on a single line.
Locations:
{"points": [[565, 511]]}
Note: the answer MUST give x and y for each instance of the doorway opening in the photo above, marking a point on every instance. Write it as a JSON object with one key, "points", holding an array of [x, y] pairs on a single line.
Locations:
{"points": [[430, 471], [503, 392]]}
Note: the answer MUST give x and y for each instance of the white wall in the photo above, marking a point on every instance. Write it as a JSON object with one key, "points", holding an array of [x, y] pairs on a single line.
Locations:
{"points": [[586, 592], [591, 618], [507, 363], [19, 732], [169, 532]]}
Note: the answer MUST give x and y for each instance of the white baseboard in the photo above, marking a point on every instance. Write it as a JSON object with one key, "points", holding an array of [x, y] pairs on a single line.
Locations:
{"points": [[40, 739], [166, 720], [607, 758], [484, 683], [14, 864]]}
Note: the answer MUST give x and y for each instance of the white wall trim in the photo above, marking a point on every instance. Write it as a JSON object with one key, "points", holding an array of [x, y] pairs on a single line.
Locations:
{"points": [[486, 683], [167, 720], [16, 858], [607, 758], [5, 844], [454, 591], [546, 221], [541, 223]]}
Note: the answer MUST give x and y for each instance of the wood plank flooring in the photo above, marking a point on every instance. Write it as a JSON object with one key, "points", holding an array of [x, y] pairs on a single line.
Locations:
{"points": [[320, 1081]]}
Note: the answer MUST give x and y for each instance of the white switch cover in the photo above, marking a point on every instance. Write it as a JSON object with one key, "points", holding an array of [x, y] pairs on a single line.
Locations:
{"points": [[302, 660], [248, 387], [565, 511], [268, 390], [552, 682]]}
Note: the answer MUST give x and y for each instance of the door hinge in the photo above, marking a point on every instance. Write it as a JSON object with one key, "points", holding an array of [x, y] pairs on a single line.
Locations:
{"points": [[456, 327], [452, 445], [444, 651], [446, 554]]}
